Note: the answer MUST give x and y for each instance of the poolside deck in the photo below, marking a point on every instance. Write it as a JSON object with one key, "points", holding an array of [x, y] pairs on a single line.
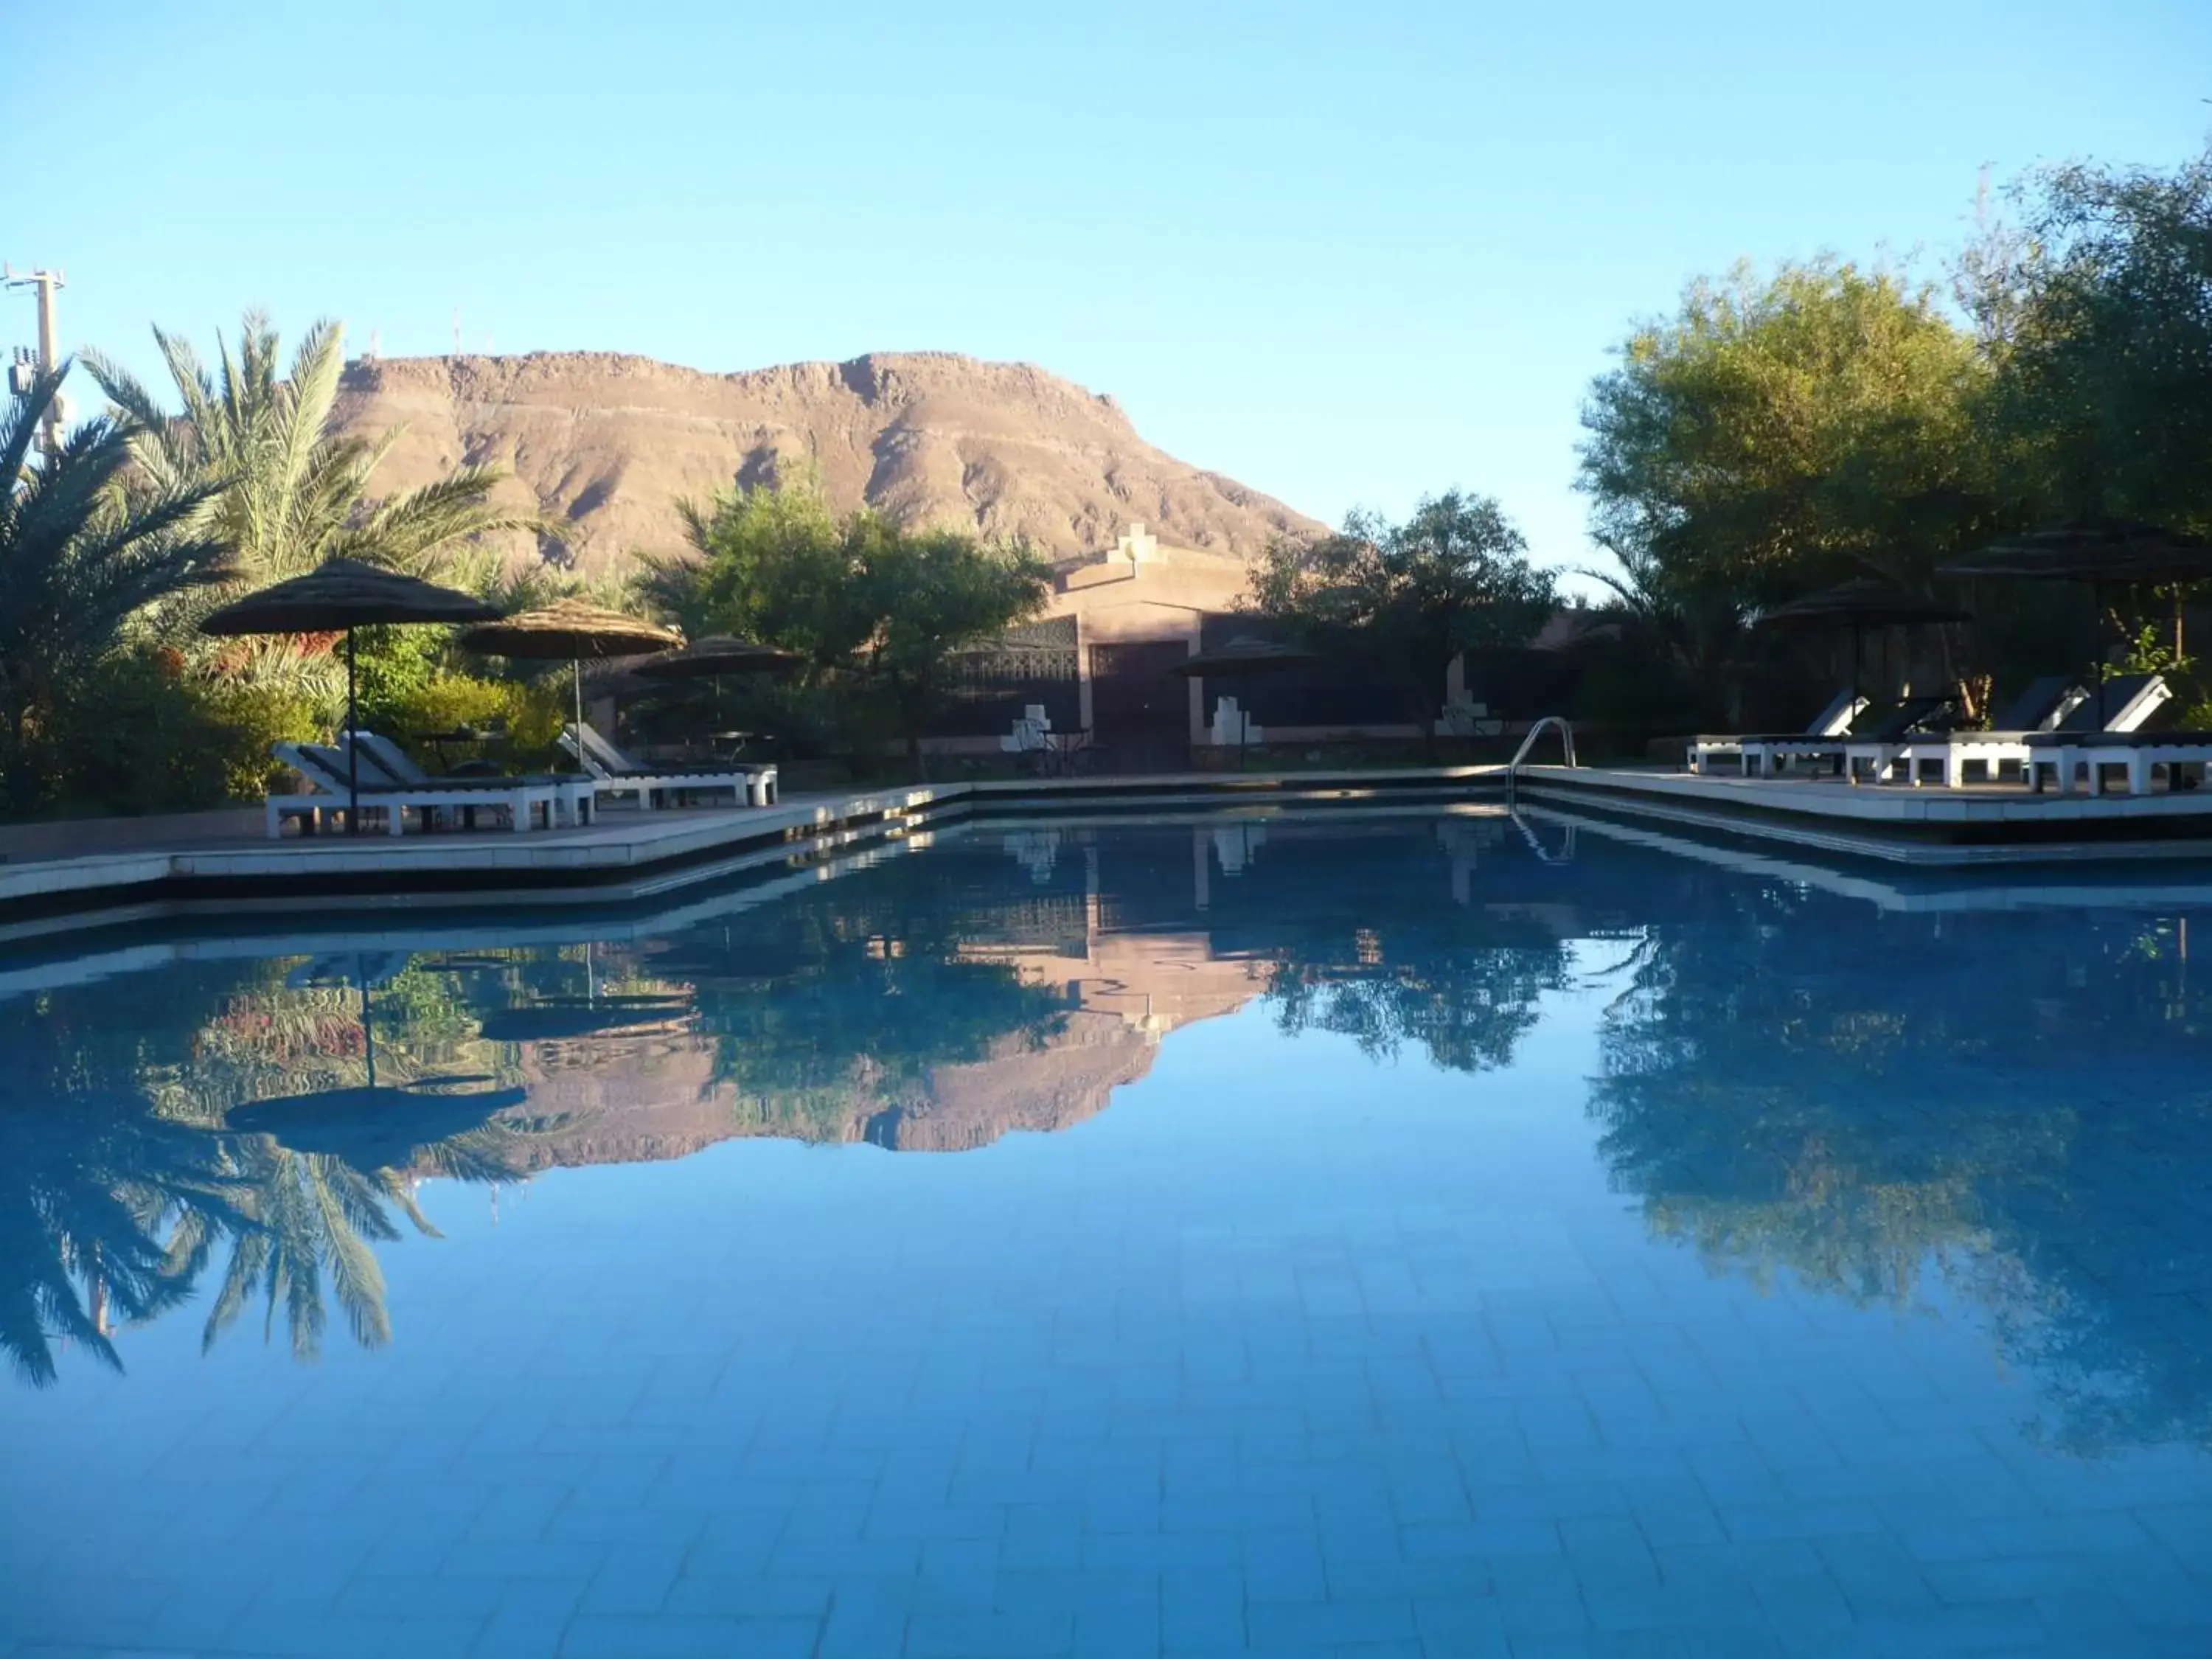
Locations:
{"points": [[1977, 823], [626, 856], [49, 883]]}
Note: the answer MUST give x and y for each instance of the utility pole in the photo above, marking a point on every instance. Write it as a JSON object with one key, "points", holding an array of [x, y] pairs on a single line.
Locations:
{"points": [[49, 355]]}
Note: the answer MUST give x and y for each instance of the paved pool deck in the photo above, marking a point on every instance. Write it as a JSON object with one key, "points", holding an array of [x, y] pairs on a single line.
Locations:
{"points": [[123, 869], [1977, 823], [147, 868]]}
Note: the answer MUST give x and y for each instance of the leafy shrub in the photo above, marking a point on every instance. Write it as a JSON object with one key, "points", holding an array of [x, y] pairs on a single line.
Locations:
{"points": [[134, 733], [533, 715]]}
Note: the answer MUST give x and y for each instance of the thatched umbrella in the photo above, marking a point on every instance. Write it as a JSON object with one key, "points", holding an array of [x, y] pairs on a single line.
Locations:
{"points": [[2100, 553], [575, 630], [714, 656], [711, 658], [1242, 658], [338, 596], [1858, 606]]}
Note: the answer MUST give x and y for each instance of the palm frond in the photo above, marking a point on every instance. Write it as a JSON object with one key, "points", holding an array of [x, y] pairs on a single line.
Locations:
{"points": [[354, 1276], [408, 530]]}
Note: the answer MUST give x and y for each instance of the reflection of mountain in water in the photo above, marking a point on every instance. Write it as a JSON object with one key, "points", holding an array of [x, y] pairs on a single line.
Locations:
{"points": [[1793, 1082], [932, 1003], [258, 1127]]}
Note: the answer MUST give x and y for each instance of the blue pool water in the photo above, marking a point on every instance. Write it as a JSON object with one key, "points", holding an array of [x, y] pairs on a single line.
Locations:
{"points": [[1410, 1236]]}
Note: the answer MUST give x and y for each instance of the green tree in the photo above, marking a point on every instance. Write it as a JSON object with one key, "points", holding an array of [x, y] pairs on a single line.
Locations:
{"points": [[2098, 307], [766, 564], [931, 594], [1454, 578], [81, 554], [876, 610], [1777, 433]]}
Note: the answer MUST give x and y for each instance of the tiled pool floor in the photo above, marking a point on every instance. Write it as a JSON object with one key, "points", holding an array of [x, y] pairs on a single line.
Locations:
{"points": [[1627, 1258]]}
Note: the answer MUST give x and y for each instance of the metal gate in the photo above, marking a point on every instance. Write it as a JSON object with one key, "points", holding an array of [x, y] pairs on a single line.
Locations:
{"points": [[1139, 709]]}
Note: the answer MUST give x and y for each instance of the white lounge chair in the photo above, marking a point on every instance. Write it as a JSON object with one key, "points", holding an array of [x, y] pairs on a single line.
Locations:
{"points": [[2184, 757], [1767, 756], [386, 762], [617, 774], [2082, 751], [325, 769], [2052, 703], [1832, 722]]}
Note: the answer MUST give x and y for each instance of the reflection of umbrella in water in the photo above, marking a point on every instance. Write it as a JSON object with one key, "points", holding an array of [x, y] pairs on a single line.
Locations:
{"points": [[1856, 607], [338, 596], [375, 1126], [2101, 553], [753, 958], [1241, 659], [553, 1018], [573, 629]]}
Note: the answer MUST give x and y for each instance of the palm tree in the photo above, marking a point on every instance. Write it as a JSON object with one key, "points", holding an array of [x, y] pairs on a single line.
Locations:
{"points": [[80, 553], [295, 491]]}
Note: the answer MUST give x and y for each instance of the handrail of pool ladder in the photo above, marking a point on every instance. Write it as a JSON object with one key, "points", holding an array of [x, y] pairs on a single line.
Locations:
{"points": [[1566, 744]]}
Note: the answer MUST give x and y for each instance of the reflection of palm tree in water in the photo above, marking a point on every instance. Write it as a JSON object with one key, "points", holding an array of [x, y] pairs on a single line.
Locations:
{"points": [[325, 1169], [123, 1176], [81, 1216]]}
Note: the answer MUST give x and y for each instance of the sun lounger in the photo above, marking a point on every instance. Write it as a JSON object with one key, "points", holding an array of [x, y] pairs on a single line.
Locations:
{"points": [[1832, 722], [2051, 703], [2065, 756], [325, 769], [1767, 757], [387, 763], [616, 773], [2141, 757]]}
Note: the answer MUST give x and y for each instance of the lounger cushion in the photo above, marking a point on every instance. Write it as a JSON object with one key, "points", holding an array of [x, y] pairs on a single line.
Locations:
{"points": [[2031, 710]]}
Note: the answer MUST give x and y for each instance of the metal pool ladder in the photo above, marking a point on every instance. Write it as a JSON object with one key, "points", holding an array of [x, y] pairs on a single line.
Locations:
{"points": [[1566, 744]]}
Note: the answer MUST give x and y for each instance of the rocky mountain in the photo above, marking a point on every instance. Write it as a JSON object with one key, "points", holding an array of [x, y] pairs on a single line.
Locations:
{"points": [[609, 442]]}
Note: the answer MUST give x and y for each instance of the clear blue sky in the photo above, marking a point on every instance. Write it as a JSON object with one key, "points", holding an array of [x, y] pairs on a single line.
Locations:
{"points": [[1346, 253]]}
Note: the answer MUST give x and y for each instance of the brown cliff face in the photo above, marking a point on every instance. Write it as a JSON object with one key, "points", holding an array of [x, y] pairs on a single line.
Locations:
{"points": [[608, 443], [628, 1103], [648, 1095]]}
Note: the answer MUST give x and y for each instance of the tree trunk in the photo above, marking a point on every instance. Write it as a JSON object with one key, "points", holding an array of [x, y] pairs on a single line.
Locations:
{"points": [[920, 700], [22, 791], [1424, 708]]}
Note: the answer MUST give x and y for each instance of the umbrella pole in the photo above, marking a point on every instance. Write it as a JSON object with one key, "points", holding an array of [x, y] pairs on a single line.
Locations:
{"points": [[2096, 642], [576, 664], [368, 1026], [352, 749]]}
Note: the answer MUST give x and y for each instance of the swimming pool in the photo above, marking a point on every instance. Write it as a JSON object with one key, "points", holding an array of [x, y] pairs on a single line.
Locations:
{"points": [[1423, 1234]]}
